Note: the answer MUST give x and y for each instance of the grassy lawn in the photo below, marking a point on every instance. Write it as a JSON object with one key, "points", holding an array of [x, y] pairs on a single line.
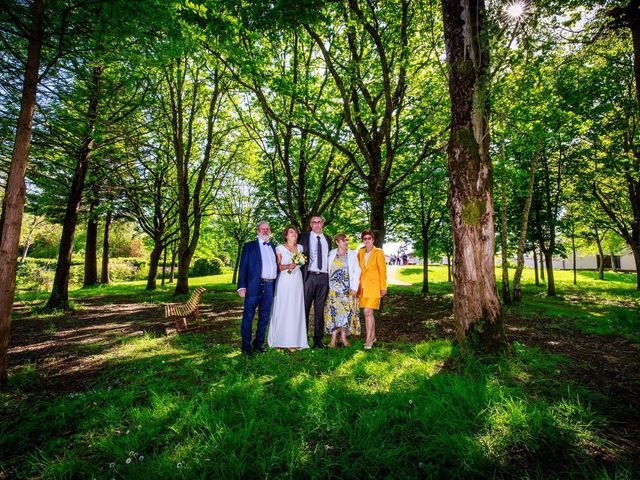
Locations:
{"points": [[605, 307], [189, 406]]}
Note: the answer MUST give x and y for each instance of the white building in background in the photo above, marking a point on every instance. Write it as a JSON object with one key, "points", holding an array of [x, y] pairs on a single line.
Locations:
{"points": [[623, 262]]}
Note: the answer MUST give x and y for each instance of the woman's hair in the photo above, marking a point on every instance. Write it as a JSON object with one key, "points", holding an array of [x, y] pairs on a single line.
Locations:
{"points": [[365, 233], [340, 236], [286, 230]]}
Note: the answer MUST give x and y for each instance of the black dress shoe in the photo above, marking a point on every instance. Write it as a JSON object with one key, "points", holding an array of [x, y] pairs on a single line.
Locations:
{"points": [[259, 349], [319, 344], [248, 353]]}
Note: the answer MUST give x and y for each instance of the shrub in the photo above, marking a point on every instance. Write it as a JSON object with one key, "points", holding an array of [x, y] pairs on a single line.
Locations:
{"points": [[206, 266], [225, 257], [127, 269]]}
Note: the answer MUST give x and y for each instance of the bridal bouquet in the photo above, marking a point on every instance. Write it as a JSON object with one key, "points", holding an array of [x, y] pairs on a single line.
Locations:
{"points": [[297, 259]]}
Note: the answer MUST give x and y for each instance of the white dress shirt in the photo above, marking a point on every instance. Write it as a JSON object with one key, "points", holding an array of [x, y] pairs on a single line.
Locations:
{"points": [[313, 253], [269, 267]]}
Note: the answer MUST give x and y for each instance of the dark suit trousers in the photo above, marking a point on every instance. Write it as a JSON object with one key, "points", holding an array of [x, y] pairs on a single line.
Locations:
{"points": [[316, 288], [262, 301]]}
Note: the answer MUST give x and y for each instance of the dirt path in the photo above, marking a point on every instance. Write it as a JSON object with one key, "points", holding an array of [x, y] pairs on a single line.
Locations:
{"points": [[392, 276], [67, 350]]}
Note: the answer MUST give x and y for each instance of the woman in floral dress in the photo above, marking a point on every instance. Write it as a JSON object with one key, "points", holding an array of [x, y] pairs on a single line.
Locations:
{"points": [[341, 312]]}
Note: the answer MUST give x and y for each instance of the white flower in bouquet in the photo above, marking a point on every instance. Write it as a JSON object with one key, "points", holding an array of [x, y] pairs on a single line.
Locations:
{"points": [[297, 259]]}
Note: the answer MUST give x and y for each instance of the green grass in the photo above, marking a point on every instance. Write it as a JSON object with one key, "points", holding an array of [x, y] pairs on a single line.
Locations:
{"points": [[183, 407], [189, 406], [604, 307]]}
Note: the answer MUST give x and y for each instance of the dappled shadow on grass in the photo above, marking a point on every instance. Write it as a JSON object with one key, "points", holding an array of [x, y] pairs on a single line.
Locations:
{"points": [[410, 408], [194, 408], [69, 347]]}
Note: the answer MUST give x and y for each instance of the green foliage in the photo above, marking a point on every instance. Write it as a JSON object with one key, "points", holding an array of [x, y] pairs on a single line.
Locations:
{"points": [[206, 266], [36, 274]]}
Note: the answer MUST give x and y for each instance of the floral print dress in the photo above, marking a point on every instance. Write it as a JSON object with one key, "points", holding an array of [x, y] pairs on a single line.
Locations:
{"points": [[341, 308]]}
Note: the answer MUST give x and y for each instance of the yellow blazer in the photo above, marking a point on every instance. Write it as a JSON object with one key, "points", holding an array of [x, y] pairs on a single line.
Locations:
{"points": [[373, 276]]}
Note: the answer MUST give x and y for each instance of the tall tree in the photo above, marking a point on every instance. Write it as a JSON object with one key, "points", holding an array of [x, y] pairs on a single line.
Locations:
{"points": [[307, 175], [376, 54], [59, 298], [15, 191], [196, 92], [476, 306]]}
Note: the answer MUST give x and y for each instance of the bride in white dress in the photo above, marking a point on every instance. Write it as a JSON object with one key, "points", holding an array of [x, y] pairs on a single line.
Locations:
{"points": [[288, 328]]}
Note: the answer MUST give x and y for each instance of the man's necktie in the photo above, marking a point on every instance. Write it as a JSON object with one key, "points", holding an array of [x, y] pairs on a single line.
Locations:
{"points": [[266, 243], [319, 254]]}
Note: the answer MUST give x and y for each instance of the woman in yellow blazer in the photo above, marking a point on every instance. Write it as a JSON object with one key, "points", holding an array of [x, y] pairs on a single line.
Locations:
{"points": [[373, 283]]}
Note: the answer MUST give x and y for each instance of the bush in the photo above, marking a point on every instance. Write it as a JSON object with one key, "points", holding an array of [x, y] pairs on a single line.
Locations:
{"points": [[37, 274], [127, 269], [225, 257], [206, 266]]}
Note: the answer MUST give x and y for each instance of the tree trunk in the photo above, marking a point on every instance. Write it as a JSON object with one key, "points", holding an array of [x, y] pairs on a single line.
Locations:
{"points": [[551, 285], [448, 268], [14, 194], [154, 259], [517, 277], [104, 277], [573, 248], [25, 250], [184, 260], [237, 264], [60, 293], [535, 267], [173, 263], [91, 252], [376, 218], [425, 268], [506, 291], [601, 255], [636, 258], [476, 306], [541, 262], [164, 264], [27, 241]]}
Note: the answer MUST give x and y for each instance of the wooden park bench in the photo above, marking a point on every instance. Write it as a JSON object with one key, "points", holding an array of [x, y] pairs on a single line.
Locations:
{"points": [[180, 313]]}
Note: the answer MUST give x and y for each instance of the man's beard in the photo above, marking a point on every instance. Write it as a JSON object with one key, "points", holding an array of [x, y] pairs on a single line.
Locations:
{"points": [[264, 238]]}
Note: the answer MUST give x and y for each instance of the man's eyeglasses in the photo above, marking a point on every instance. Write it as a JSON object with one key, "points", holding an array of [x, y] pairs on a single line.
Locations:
{"points": [[367, 238], [317, 221]]}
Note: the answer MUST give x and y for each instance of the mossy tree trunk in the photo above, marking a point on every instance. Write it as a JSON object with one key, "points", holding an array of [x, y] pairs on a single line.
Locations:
{"points": [[476, 306]]}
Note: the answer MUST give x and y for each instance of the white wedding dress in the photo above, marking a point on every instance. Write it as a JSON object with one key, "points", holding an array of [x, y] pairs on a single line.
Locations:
{"points": [[288, 328]]}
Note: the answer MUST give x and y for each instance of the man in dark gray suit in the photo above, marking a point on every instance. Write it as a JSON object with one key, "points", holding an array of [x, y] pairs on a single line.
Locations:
{"points": [[315, 273]]}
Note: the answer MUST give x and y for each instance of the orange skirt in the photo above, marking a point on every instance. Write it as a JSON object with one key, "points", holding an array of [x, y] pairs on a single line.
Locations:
{"points": [[369, 303]]}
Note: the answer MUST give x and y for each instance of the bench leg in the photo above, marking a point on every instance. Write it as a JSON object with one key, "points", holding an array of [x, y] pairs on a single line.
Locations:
{"points": [[181, 324]]}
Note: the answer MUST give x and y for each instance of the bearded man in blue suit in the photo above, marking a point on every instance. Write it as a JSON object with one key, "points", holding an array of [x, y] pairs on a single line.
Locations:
{"points": [[257, 275]]}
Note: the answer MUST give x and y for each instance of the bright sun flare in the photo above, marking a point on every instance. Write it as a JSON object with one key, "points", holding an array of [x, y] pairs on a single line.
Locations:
{"points": [[515, 10]]}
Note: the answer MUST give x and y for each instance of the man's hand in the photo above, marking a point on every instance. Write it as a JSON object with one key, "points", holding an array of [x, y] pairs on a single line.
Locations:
{"points": [[242, 292], [383, 293], [353, 293]]}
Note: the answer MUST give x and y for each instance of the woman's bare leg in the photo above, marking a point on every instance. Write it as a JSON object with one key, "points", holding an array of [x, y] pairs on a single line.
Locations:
{"points": [[370, 325]]}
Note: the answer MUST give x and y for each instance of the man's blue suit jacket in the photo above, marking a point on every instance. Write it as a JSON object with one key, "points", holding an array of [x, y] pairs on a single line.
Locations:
{"points": [[250, 268]]}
